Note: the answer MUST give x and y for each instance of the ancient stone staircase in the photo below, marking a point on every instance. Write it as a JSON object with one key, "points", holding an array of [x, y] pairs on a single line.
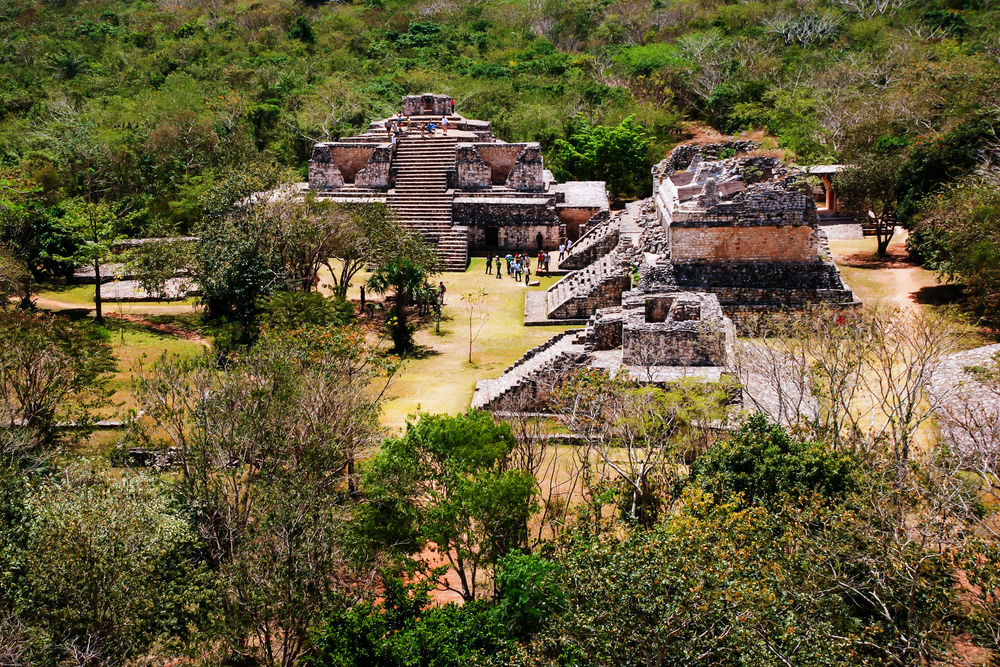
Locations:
{"points": [[597, 285], [421, 197], [534, 374], [599, 240]]}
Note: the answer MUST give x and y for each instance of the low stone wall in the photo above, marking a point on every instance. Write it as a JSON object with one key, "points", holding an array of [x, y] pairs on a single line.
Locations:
{"points": [[604, 330], [605, 295]]}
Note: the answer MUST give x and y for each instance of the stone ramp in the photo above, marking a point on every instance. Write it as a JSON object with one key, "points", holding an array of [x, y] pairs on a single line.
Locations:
{"points": [[579, 294], [598, 241], [528, 379]]}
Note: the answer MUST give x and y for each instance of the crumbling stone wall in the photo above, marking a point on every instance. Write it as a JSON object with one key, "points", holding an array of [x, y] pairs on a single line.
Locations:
{"points": [[323, 171], [500, 159], [675, 329], [526, 176], [604, 330], [375, 175], [473, 173], [682, 156], [335, 164]]}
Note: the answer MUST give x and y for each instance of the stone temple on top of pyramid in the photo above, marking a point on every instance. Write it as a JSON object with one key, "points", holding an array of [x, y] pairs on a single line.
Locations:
{"points": [[461, 187]]}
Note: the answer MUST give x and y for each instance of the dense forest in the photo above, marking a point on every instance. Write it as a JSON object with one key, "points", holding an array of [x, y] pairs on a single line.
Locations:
{"points": [[256, 512]]}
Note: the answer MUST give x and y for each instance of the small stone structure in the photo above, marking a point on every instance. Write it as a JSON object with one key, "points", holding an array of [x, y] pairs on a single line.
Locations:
{"points": [[467, 187]]}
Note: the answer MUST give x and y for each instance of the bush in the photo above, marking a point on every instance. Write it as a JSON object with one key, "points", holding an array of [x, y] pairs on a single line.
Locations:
{"points": [[761, 464]]}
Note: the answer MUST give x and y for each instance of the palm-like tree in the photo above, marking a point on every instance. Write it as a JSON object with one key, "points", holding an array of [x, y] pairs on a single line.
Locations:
{"points": [[403, 278]]}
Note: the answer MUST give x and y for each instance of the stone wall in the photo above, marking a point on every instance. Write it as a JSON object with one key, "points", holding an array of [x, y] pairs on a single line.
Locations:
{"points": [[675, 329], [576, 219], [527, 174], [681, 156], [748, 244], [815, 275], [521, 238], [473, 173], [604, 330], [500, 159], [335, 164], [323, 171], [607, 294], [375, 175]]}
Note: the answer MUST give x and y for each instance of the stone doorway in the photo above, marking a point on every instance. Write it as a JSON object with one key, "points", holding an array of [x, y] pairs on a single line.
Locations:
{"points": [[492, 237]]}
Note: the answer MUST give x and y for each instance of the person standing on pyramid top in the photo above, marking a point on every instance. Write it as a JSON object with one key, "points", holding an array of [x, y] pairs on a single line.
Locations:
{"points": [[444, 125]]}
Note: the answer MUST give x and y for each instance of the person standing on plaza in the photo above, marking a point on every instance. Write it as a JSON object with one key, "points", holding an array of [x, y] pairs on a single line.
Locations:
{"points": [[441, 291], [527, 271], [517, 270], [489, 265], [508, 259], [499, 272]]}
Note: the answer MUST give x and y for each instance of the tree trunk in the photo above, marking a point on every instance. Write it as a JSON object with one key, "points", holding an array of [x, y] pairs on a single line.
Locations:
{"points": [[98, 315], [26, 298], [883, 236]]}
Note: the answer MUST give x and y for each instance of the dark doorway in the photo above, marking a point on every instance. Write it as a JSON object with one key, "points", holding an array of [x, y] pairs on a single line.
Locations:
{"points": [[492, 236], [539, 239]]}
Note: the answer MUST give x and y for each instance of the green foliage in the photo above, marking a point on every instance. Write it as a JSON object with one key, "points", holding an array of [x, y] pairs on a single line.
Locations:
{"points": [[618, 155], [528, 592], [294, 310], [933, 161], [380, 636], [957, 236], [112, 565], [449, 481], [761, 464], [403, 278]]}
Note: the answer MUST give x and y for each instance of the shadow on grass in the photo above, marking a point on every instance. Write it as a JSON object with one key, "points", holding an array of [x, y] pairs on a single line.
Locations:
{"points": [[74, 314], [941, 295], [421, 352]]}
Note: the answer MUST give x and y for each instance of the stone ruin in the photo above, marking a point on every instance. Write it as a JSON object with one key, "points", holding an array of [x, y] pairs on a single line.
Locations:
{"points": [[464, 191], [719, 238]]}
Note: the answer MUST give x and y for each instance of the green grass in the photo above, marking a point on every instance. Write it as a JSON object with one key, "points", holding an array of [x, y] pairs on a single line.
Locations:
{"points": [[134, 343], [441, 379]]}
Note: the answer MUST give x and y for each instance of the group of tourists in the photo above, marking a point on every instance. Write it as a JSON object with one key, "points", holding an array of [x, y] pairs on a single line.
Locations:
{"points": [[517, 265]]}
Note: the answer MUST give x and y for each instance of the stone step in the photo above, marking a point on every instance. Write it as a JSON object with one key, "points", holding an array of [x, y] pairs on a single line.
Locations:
{"points": [[528, 368]]}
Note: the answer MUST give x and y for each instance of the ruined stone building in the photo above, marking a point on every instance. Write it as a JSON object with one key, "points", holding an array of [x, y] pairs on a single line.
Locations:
{"points": [[464, 191], [659, 289]]}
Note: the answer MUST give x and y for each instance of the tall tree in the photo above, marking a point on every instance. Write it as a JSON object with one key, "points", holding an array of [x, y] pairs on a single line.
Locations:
{"points": [[449, 481], [266, 451], [97, 228]]}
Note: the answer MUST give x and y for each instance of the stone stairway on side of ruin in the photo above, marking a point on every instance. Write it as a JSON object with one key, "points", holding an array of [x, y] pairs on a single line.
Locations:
{"points": [[544, 364], [599, 240], [421, 198], [564, 298]]}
